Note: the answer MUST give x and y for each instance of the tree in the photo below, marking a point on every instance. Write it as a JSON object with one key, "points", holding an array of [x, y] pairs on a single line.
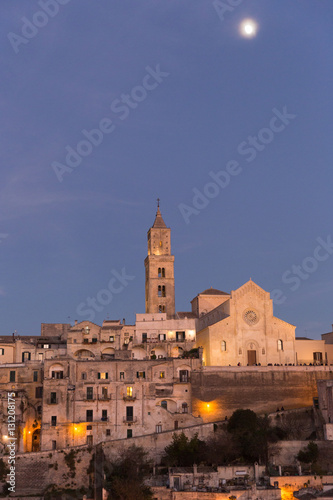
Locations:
{"points": [[125, 475], [309, 454], [183, 452]]}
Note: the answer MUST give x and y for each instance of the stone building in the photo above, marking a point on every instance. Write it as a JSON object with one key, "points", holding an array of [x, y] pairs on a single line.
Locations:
{"points": [[86, 383], [240, 328]]}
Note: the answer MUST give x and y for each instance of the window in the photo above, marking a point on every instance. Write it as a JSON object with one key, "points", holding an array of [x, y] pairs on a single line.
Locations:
{"points": [[94, 340], [90, 393], [74, 340], [176, 424], [318, 356], [163, 272], [280, 345], [162, 336], [89, 415], [2, 352], [129, 433], [40, 356], [103, 375], [39, 410], [159, 273], [180, 336], [163, 291], [104, 415], [39, 392], [161, 309], [263, 350], [111, 338], [159, 291], [26, 356], [140, 374], [46, 346], [122, 375], [87, 330], [83, 376], [129, 392], [164, 404], [57, 375], [184, 408], [53, 420], [104, 393], [85, 341], [223, 345], [89, 427], [162, 374], [240, 351], [158, 428], [35, 376], [54, 445], [129, 414], [144, 337], [108, 432], [12, 376], [183, 376], [53, 398]]}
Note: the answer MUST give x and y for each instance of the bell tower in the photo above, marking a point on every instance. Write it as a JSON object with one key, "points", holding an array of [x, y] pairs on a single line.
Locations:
{"points": [[159, 264]]}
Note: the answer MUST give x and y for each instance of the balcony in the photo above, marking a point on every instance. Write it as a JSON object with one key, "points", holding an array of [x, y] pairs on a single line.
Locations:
{"points": [[52, 401], [107, 397], [129, 398], [130, 420], [92, 421]]}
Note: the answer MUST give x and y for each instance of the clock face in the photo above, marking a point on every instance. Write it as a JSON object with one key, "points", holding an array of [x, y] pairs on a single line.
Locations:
{"points": [[250, 317]]}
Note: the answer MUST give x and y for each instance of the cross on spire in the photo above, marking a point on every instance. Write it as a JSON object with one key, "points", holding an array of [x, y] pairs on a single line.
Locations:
{"points": [[158, 202]]}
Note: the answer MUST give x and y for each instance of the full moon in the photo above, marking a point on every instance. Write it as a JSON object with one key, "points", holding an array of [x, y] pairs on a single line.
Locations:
{"points": [[248, 28]]}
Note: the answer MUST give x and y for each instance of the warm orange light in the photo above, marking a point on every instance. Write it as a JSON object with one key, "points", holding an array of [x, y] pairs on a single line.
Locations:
{"points": [[208, 406], [29, 432]]}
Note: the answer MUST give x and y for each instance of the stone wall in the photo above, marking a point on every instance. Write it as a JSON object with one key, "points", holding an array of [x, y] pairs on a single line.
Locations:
{"points": [[219, 391]]}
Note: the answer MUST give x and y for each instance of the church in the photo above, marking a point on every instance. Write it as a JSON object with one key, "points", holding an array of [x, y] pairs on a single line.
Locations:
{"points": [[236, 328]]}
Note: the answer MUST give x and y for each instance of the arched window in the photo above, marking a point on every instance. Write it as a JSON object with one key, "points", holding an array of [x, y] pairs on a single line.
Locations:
{"points": [[280, 345], [184, 408], [163, 272], [164, 404], [163, 291], [159, 272], [159, 291], [223, 345]]}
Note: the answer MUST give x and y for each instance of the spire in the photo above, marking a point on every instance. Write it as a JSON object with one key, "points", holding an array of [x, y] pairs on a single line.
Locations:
{"points": [[159, 222]]}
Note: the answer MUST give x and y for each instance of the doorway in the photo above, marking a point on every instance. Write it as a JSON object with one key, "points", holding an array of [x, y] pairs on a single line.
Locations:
{"points": [[251, 357]]}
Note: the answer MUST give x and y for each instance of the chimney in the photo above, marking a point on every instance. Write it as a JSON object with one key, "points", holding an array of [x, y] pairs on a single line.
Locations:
{"points": [[75, 321]]}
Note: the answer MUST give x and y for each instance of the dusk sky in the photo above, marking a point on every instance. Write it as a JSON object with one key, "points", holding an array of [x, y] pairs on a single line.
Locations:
{"points": [[180, 97]]}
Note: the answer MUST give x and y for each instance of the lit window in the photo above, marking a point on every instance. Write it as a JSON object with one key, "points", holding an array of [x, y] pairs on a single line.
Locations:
{"points": [[162, 374], [223, 345], [46, 346], [129, 392], [280, 345], [111, 338], [140, 374], [103, 375]]}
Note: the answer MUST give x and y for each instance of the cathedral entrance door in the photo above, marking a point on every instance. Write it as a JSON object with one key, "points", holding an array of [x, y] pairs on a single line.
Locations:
{"points": [[251, 357]]}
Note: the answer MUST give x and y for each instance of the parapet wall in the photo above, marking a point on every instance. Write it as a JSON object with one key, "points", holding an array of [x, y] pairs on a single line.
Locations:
{"points": [[219, 391]]}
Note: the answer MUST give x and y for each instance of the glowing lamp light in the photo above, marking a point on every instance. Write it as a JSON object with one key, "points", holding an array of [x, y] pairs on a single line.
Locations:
{"points": [[5, 437]]}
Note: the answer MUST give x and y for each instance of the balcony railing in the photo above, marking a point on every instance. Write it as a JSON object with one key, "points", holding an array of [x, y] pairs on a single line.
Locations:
{"points": [[52, 401], [130, 420], [129, 398], [107, 397]]}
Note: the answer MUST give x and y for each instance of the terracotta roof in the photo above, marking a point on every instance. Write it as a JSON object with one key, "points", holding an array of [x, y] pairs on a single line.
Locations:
{"points": [[213, 291]]}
